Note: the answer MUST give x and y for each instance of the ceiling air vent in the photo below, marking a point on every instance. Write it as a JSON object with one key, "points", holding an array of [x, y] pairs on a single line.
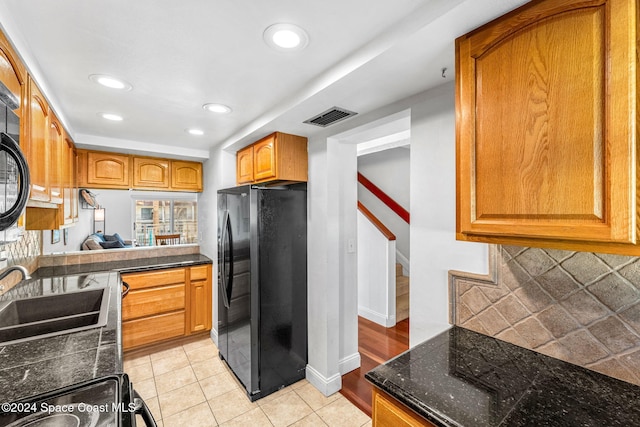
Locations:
{"points": [[329, 117]]}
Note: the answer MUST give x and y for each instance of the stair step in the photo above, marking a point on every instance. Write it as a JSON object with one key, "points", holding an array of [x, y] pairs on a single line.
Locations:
{"points": [[402, 285], [402, 307], [398, 269]]}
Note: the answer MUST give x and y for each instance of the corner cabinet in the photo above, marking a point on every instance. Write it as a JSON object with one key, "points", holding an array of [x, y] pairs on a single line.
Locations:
{"points": [[546, 127], [278, 157], [165, 304]]}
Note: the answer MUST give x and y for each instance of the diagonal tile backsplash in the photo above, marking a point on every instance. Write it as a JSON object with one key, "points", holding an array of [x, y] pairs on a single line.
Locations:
{"points": [[580, 307]]}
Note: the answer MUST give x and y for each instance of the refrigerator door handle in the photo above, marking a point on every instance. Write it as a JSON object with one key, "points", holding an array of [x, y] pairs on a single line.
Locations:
{"points": [[229, 285], [226, 276]]}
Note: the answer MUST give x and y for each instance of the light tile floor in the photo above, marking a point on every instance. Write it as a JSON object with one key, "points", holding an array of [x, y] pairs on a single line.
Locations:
{"points": [[188, 385]]}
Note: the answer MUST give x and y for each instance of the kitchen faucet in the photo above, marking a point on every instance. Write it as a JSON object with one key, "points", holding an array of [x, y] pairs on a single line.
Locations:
{"points": [[21, 269]]}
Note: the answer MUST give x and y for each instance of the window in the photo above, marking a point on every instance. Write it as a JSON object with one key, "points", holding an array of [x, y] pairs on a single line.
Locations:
{"points": [[161, 216]]}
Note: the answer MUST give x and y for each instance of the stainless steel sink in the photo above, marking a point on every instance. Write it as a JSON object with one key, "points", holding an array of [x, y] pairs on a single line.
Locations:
{"points": [[39, 317]]}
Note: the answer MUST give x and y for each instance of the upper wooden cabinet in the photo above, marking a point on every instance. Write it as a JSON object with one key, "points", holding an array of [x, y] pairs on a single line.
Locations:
{"points": [[98, 169], [244, 165], [56, 169], [151, 173], [108, 170], [38, 152], [186, 176], [545, 127], [278, 157]]}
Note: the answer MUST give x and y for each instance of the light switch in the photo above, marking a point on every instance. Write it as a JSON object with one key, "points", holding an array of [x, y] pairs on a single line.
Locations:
{"points": [[351, 246]]}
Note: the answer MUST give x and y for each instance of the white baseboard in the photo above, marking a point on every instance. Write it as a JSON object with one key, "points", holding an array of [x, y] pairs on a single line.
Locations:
{"points": [[404, 262], [214, 336], [349, 363], [380, 319], [326, 386]]}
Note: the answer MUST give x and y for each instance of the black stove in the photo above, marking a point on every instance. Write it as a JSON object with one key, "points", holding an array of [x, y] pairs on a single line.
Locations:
{"points": [[104, 402]]}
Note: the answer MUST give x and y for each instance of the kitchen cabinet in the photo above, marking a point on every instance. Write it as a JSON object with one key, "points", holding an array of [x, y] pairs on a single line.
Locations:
{"points": [[278, 157], [69, 207], [186, 176], [13, 75], [244, 165], [56, 154], [388, 412], [200, 296], [97, 169], [154, 309], [545, 127], [108, 170], [38, 152], [166, 304], [150, 173]]}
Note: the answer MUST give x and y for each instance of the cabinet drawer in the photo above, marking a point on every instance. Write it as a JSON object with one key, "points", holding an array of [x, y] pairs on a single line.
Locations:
{"points": [[156, 278], [147, 302], [136, 333], [199, 273], [387, 411]]}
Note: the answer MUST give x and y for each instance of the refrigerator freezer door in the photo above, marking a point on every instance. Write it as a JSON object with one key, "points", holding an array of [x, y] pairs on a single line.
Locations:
{"points": [[282, 253]]}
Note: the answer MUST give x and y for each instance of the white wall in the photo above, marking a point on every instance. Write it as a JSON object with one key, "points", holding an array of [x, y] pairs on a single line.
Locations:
{"points": [[434, 249], [376, 274], [218, 172], [390, 171]]}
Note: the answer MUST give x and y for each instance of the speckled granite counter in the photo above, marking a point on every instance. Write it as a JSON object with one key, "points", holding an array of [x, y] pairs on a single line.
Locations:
{"points": [[37, 366], [461, 378]]}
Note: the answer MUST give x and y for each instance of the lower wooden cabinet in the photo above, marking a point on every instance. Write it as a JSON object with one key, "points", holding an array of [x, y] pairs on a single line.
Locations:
{"points": [[388, 412], [166, 304]]}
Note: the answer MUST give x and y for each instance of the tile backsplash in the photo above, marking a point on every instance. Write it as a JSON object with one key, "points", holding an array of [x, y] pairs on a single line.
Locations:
{"points": [[580, 307], [25, 252]]}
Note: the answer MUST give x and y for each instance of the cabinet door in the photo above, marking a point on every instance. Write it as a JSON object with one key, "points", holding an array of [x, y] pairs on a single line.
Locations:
{"points": [[56, 153], [68, 169], [264, 159], [200, 296], [108, 169], [545, 124], [150, 173], [152, 329], [38, 153], [386, 411], [186, 176], [244, 165]]}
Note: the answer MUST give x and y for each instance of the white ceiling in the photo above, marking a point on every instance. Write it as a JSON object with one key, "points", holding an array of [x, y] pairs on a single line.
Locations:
{"points": [[179, 55]]}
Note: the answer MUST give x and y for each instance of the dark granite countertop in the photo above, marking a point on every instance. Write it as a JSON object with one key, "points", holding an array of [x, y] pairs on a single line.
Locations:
{"points": [[462, 378], [126, 266], [45, 364], [40, 365]]}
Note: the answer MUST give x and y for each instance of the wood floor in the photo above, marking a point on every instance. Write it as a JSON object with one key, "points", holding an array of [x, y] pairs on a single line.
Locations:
{"points": [[376, 345]]}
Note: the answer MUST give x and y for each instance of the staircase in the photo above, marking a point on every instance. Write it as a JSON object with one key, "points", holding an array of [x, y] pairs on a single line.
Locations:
{"points": [[402, 294]]}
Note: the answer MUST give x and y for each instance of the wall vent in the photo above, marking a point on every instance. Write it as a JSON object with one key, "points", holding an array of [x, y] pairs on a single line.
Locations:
{"points": [[329, 117]]}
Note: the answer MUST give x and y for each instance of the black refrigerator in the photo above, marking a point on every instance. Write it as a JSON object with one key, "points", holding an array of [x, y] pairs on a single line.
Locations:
{"points": [[262, 285]]}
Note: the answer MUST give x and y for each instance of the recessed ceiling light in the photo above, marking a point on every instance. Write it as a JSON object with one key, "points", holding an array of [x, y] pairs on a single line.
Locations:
{"points": [[286, 37], [217, 108], [111, 116], [110, 82], [197, 132]]}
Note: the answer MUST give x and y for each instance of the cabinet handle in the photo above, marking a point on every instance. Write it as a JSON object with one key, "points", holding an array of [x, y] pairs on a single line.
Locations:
{"points": [[126, 290]]}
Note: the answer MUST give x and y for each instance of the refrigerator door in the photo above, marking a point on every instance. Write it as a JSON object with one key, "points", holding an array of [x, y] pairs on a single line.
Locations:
{"points": [[223, 256], [282, 267], [234, 290]]}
